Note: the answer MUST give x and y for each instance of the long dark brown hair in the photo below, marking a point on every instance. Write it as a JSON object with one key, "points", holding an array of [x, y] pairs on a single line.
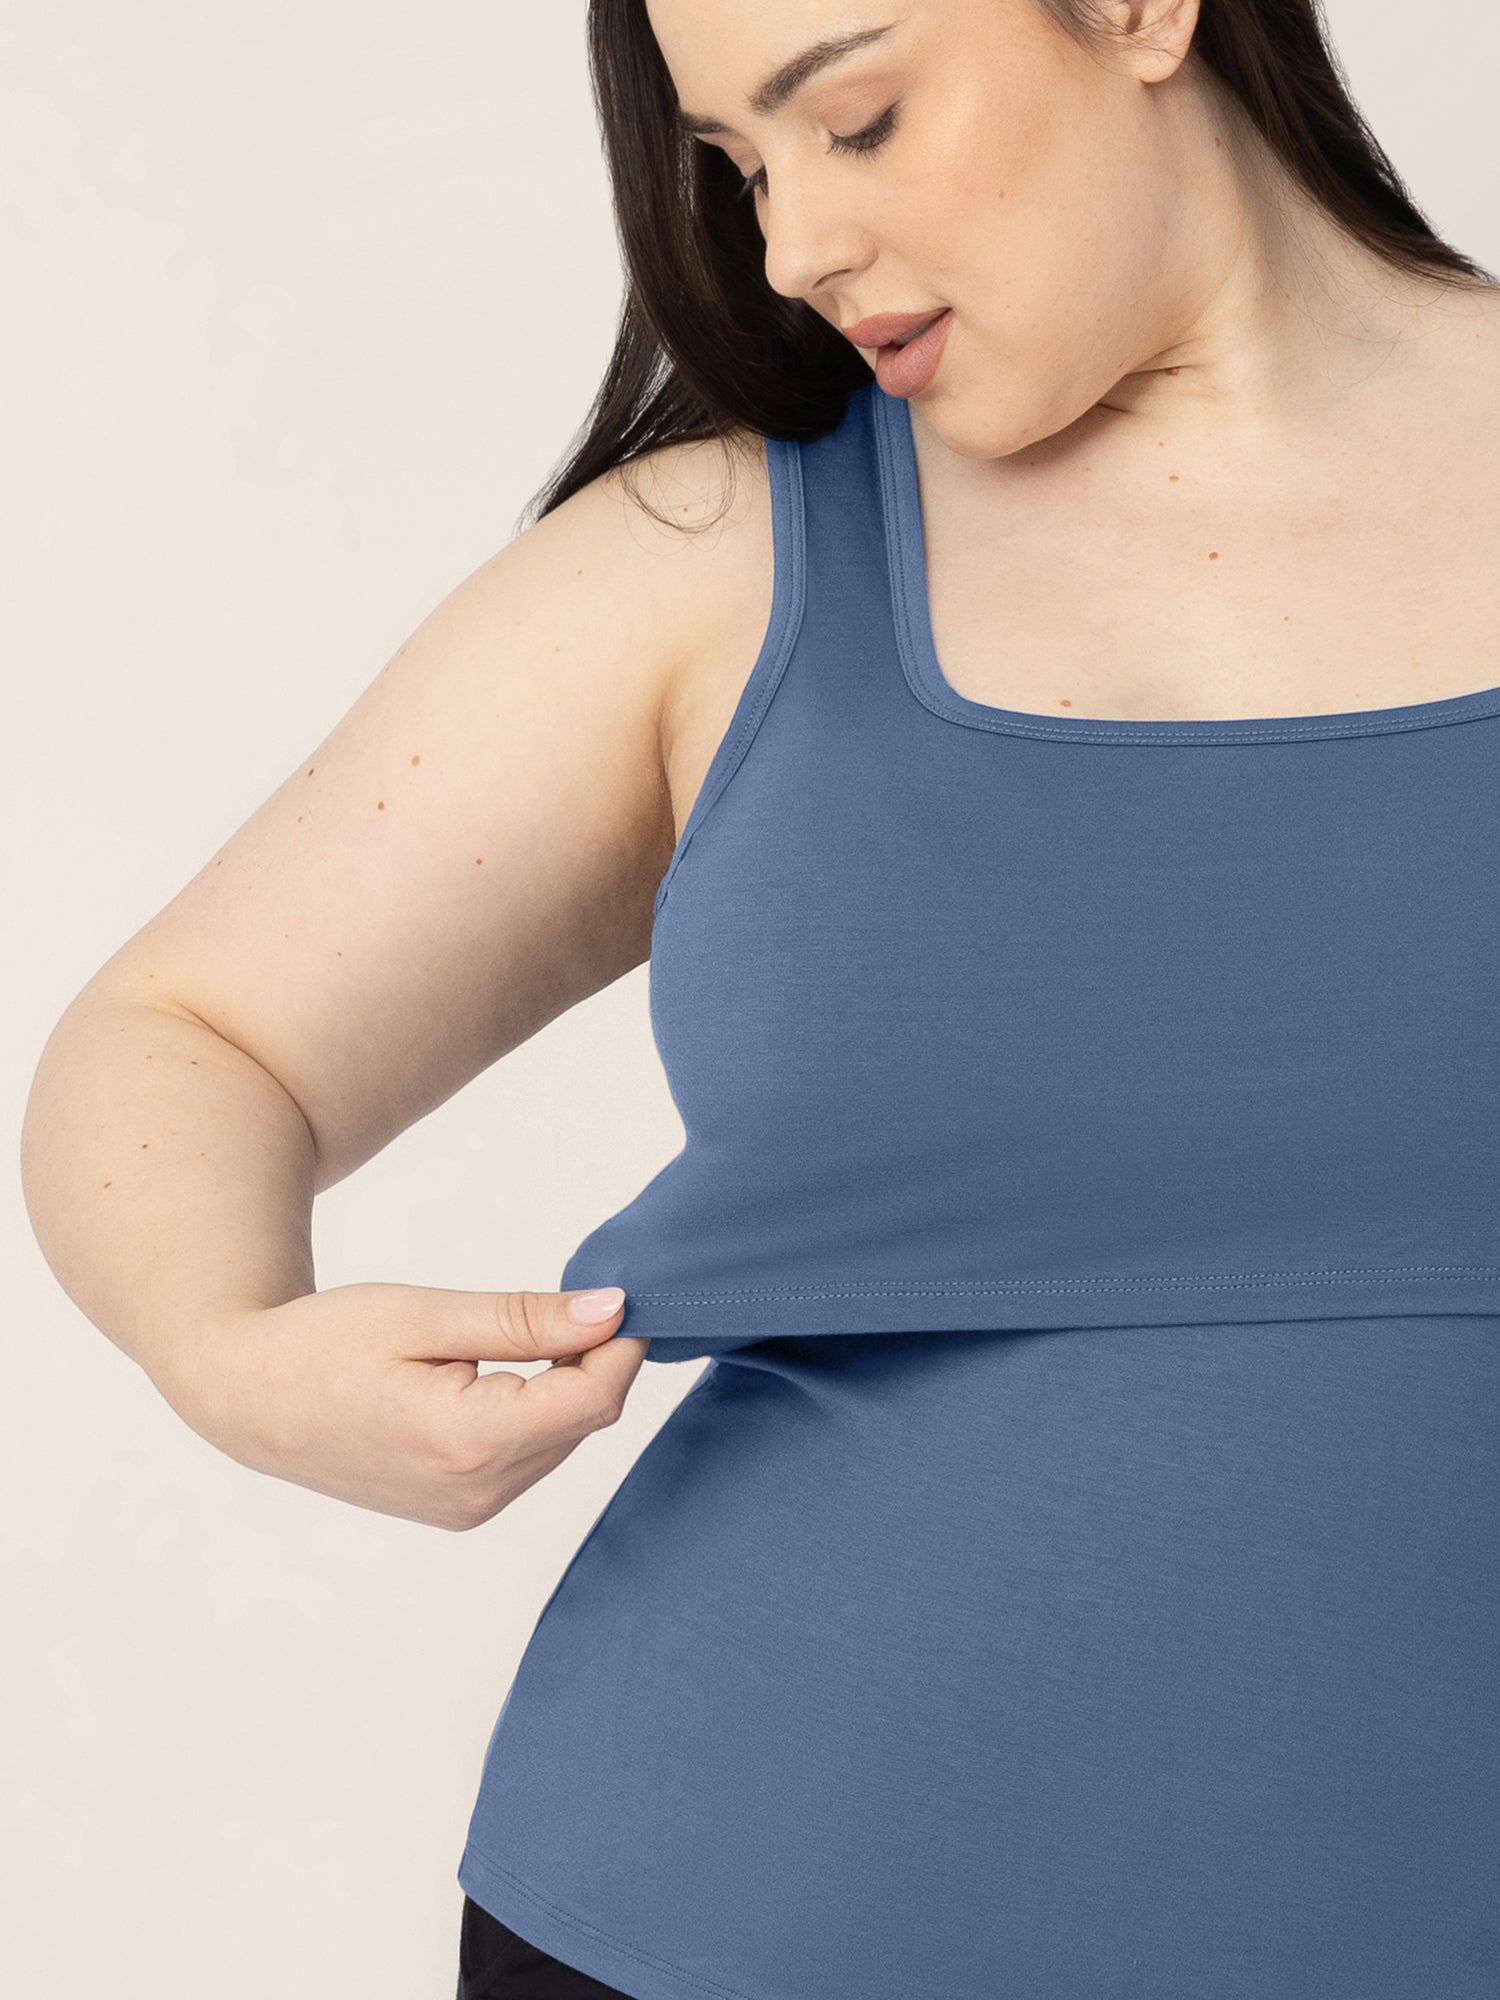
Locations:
{"points": [[706, 348]]}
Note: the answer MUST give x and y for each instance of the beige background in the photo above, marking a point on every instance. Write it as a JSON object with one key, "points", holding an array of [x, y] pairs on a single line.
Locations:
{"points": [[302, 303]]}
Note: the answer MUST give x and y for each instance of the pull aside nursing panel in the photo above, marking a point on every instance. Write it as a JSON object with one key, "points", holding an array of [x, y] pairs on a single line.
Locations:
{"points": [[981, 1020]]}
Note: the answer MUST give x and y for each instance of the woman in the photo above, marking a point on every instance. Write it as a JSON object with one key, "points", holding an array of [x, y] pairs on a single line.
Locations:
{"points": [[1068, 878]]}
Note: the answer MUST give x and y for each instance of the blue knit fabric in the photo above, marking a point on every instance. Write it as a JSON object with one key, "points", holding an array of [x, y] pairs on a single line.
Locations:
{"points": [[1075, 1575]]}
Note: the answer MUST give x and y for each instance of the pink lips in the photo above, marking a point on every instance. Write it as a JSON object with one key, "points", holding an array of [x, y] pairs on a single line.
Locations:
{"points": [[906, 371], [880, 329]]}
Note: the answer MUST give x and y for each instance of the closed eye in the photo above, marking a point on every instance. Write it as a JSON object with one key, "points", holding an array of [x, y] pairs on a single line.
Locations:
{"points": [[868, 141]]}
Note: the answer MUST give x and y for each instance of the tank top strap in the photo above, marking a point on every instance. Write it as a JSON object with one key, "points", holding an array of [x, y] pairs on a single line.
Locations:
{"points": [[828, 669], [847, 624]]}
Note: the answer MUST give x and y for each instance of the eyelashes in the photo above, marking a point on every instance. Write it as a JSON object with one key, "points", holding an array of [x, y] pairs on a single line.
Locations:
{"points": [[867, 141]]}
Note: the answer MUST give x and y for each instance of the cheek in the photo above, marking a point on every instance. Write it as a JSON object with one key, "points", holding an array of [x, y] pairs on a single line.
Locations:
{"points": [[1000, 177], [1034, 215]]}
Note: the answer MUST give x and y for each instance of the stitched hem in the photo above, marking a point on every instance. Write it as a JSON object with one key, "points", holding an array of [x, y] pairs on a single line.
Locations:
{"points": [[684, 1325], [945, 1288], [584, 1946]]}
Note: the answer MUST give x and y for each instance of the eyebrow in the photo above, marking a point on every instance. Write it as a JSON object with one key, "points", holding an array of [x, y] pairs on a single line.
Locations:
{"points": [[783, 83]]}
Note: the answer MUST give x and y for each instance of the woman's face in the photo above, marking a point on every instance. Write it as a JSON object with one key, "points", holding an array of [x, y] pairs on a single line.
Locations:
{"points": [[1006, 172]]}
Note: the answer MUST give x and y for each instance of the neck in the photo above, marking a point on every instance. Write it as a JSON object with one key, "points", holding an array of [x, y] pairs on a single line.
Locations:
{"points": [[1271, 316]]}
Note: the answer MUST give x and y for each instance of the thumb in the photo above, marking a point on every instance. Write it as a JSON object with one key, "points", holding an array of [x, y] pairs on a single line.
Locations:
{"points": [[537, 1326]]}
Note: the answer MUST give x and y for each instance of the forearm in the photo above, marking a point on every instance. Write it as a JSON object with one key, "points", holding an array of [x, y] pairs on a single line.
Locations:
{"points": [[169, 1179]]}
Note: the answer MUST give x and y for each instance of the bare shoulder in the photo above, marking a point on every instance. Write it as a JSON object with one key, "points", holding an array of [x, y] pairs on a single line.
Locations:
{"points": [[711, 519], [704, 509], [690, 530]]}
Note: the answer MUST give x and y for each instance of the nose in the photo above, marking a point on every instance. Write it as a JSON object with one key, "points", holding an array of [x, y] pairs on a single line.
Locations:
{"points": [[810, 245]]}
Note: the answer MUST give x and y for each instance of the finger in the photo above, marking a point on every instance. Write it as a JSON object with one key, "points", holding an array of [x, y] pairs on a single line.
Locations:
{"points": [[513, 1326], [586, 1391]]}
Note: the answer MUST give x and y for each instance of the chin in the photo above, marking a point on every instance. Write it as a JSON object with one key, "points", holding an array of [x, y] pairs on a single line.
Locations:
{"points": [[980, 432]]}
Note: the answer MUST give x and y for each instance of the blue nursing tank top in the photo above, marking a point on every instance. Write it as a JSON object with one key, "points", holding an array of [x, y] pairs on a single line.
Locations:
{"points": [[983, 1019], [1074, 1575]]}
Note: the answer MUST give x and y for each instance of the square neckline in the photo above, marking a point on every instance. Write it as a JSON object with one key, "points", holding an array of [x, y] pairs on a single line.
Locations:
{"points": [[903, 526]]}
